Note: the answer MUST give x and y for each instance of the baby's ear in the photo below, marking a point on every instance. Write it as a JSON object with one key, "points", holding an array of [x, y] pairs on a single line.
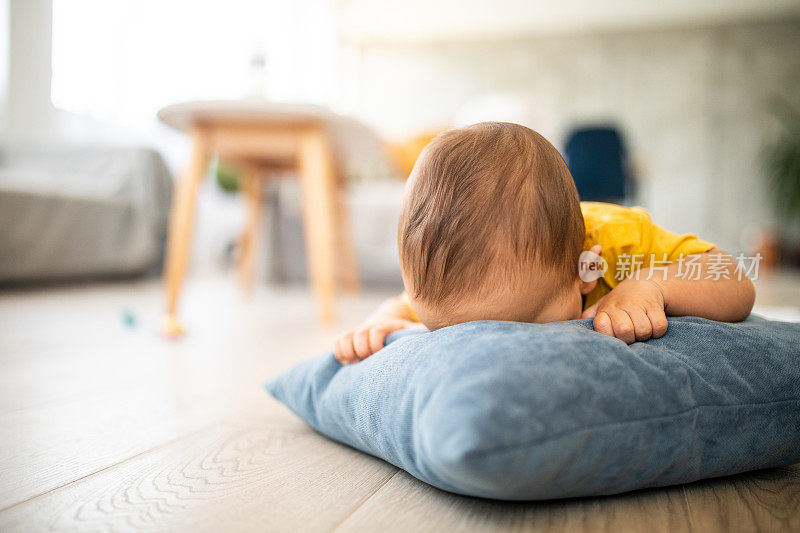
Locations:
{"points": [[591, 267], [587, 286]]}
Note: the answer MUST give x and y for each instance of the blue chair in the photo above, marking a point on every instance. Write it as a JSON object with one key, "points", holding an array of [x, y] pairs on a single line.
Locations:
{"points": [[596, 159]]}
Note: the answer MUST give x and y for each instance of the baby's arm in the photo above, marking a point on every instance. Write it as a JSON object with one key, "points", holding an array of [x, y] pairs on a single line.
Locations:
{"points": [[636, 309], [358, 344]]}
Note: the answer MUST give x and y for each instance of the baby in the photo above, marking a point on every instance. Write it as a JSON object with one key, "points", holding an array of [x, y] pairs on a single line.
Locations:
{"points": [[491, 229]]}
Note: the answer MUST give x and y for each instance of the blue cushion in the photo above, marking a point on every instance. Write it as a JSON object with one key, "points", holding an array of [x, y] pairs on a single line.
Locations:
{"points": [[536, 411]]}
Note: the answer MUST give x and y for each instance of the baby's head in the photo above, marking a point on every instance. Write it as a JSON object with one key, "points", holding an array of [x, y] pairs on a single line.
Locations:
{"points": [[491, 229]]}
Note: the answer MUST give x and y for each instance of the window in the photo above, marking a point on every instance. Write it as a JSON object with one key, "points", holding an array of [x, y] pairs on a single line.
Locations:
{"points": [[122, 60]]}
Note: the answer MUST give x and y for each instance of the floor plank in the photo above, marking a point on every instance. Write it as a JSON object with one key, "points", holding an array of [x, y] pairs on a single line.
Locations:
{"points": [[406, 504], [767, 500], [245, 474], [80, 392], [50, 446]]}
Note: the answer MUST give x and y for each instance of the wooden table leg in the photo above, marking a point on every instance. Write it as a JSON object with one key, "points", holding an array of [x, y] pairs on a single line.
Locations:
{"points": [[251, 187], [347, 260], [180, 229], [319, 217]]}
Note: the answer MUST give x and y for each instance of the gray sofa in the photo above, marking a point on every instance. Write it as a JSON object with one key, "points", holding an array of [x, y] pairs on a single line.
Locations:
{"points": [[70, 212]]}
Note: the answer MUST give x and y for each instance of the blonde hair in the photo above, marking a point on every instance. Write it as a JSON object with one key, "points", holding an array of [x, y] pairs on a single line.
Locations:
{"points": [[490, 196]]}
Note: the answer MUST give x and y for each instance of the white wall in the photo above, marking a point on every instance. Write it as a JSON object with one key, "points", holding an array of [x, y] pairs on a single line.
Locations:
{"points": [[28, 108], [363, 21], [693, 104], [4, 40]]}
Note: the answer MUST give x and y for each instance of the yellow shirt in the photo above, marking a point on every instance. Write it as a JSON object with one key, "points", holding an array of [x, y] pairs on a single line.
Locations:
{"points": [[630, 241]]}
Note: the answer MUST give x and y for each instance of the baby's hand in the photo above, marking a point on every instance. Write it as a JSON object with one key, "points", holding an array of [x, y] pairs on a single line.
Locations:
{"points": [[632, 311], [356, 345]]}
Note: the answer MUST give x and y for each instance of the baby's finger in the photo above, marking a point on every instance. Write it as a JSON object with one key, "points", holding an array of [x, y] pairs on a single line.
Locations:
{"points": [[642, 327], [377, 336], [602, 324], [361, 343], [658, 319], [623, 326], [337, 350], [346, 351]]}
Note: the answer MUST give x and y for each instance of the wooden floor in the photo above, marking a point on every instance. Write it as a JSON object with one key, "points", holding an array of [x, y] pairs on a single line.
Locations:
{"points": [[104, 425]]}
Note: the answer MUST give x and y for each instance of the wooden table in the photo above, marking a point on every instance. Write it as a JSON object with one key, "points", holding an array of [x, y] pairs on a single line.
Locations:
{"points": [[261, 138]]}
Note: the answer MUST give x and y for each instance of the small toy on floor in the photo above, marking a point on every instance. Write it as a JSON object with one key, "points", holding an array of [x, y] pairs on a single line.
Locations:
{"points": [[171, 327], [129, 319]]}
